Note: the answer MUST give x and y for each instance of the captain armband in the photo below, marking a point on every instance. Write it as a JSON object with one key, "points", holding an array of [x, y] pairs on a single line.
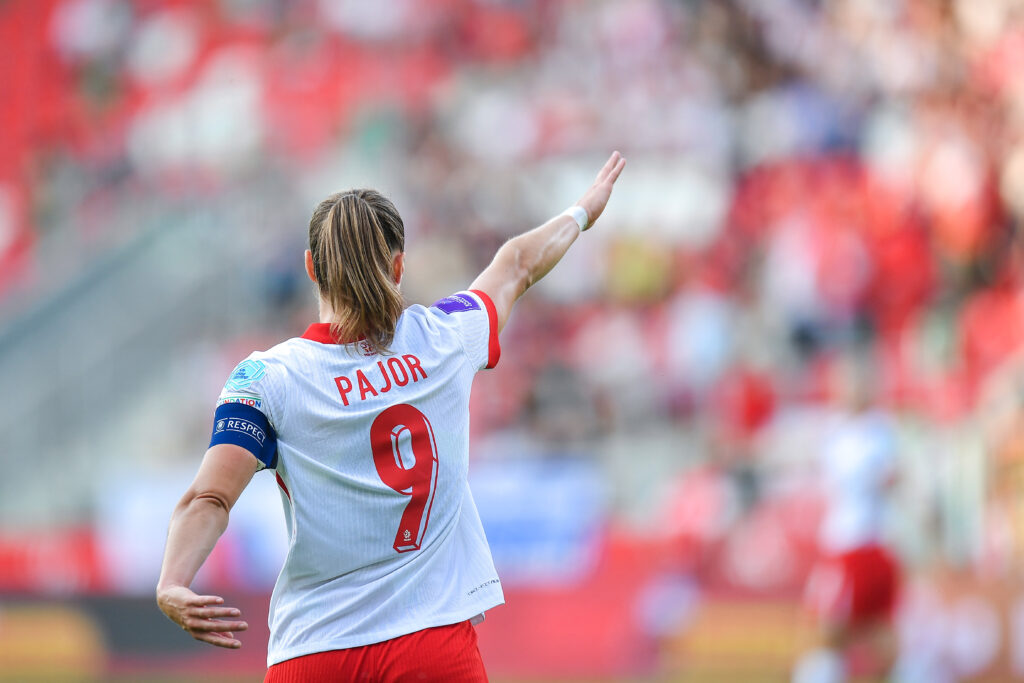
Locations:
{"points": [[243, 425]]}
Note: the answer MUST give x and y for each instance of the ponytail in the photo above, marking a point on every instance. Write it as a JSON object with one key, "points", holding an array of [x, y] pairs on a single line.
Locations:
{"points": [[353, 237]]}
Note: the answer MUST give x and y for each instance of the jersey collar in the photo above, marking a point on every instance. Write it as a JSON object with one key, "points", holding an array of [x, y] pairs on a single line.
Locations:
{"points": [[321, 332]]}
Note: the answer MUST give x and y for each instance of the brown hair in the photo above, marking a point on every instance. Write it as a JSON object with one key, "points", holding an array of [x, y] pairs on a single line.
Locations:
{"points": [[353, 237]]}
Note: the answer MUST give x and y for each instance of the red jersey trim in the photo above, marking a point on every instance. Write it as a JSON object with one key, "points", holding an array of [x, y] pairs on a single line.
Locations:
{"points": [[280, 482], [493, 345], [321, 332]]}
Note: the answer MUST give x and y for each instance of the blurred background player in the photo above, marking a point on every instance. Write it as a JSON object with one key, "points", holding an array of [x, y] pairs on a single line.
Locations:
{"points": [[365, 421], [851, 592]]}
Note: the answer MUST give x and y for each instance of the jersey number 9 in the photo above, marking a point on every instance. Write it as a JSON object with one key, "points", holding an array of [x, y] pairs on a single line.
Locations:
{"points": [[407, 465]]}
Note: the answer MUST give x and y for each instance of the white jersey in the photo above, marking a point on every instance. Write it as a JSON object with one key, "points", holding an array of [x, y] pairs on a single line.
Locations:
{"points": [[372, 461], [858, 462]]}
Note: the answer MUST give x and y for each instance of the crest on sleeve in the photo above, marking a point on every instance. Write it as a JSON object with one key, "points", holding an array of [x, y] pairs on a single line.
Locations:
{"points": [[456, 303], [247, 372]]}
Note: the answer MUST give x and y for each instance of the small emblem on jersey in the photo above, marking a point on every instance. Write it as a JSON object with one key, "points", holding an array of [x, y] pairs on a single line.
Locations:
{"points": [[456, 303], [241, 398], [247, 372], [407, 535], [366, 348]]}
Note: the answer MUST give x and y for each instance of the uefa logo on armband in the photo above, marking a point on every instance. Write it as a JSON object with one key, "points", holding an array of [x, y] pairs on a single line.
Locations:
{"points": [[220, 425]]}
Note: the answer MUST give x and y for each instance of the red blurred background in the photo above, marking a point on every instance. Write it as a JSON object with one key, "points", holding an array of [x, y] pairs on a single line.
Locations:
{"points": [[812, 186]]}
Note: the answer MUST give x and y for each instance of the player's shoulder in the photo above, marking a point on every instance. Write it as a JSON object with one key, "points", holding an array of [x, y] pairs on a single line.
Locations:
{"points": [[441, 310], [451, 311], [262, 367], [419, 324], [279, 354], [459, 302], [250, 375]]}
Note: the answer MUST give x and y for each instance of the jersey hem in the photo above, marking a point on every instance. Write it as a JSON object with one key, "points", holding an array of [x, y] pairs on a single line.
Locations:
{"points": [[359, 641]]}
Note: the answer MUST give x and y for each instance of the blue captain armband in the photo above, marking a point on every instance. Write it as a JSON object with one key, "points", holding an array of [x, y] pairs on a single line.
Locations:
{"points": [[243, 425]]}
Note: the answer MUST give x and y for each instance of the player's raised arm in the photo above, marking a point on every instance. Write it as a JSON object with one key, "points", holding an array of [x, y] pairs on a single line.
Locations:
{"points": [[198, 521], [525, 259]]}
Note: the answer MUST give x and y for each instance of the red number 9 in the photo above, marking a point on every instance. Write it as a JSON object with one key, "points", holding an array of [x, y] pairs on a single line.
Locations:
{"points": [[412, 474]]}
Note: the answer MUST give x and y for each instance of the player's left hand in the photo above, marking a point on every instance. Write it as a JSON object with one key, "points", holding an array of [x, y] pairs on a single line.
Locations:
{"points": [[595, 198], [204, 617]]}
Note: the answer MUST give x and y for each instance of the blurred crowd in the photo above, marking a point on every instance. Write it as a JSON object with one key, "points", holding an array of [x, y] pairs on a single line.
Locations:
{"points": [[820, 194]]}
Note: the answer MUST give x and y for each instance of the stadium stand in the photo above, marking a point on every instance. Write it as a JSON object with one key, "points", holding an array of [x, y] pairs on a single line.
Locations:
{"points": [[811, 183]]}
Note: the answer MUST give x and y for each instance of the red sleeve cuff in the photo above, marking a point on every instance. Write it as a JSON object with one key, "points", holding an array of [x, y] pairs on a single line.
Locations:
{"points": [[493, 345]]}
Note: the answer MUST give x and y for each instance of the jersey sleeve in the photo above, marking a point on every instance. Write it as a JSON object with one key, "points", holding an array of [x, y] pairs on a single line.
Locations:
{"points": [[476, 321], [243, 416]]}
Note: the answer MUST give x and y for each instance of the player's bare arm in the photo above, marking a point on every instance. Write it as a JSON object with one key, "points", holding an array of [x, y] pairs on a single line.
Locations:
{"points": [[525, 259], [199, 519]]}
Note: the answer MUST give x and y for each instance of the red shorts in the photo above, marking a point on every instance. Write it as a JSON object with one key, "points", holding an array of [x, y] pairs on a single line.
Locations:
{"points": [[855, 587], [443, 653]]}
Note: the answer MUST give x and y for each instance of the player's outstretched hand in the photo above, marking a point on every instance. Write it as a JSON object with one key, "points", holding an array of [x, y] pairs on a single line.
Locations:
{"points": [[203, 616], [595, 199]]}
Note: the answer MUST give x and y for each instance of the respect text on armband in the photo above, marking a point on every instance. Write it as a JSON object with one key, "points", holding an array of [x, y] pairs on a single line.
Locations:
{"points": [[234, 424], [380, 378]]}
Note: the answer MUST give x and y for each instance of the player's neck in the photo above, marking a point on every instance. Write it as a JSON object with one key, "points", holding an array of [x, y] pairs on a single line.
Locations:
{"points": [[326, 312]]}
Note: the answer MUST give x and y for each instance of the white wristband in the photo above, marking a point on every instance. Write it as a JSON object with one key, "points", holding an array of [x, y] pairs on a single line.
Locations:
{"points": [[578, 214]]}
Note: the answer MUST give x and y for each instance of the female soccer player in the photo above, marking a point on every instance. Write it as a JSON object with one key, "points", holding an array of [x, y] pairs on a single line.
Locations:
{"points": [[365, 420], [853, 590]]}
